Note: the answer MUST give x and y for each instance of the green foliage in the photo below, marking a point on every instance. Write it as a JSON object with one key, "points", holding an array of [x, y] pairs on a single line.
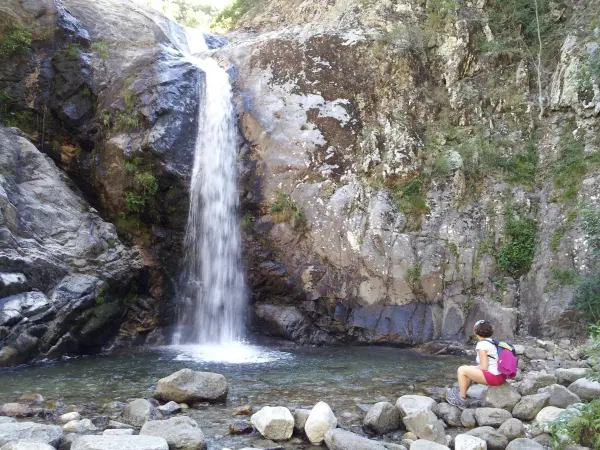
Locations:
{"points": [[516, 254], [587, 297], [560, 232], [521, 167], [148, 184], [284, 209], [414, 280], [559, 277], [580, 427], [126, 121], [247, 221], [69, 52], [135, 203], [409, 197], [591, 226], [101, 48], [11, 116], [191, 13], [16, 41], [438, 12], [232, 13]]}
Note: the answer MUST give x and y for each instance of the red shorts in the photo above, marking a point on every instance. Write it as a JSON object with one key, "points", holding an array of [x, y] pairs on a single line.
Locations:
{"points": [[493, 380]]}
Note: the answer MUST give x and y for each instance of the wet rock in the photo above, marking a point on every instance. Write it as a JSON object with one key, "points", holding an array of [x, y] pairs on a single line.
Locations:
{"points": [[17, 410], [467, 418], [504, 396], [119, 425], [12, 283], [423, 444], [586, 389], [300, 417], [534, 381], [425, 425], [240, 427], [169, 408], [32, 398], [493, 439], [408, 404], [68, 417], [320, 420], [546, 416], [382, 418], [530, 405], [181, 433], [27, 444], [244, 410], [338, 439], [512, 429], [192, 387], [560, 396], [118, 432], [140, 411], [468, 442], [491, 416], [568, 376], [274, 423], [450, 414], [524, 444], [49, 434], [120, 443], [79, 426]]}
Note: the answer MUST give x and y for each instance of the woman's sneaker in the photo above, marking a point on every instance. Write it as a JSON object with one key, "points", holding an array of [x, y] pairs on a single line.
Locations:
{"points": [[453, 397]]}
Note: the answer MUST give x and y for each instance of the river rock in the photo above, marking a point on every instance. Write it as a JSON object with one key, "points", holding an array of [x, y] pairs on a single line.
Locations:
{"points": [[512, 429], [244, 410], [493, 439], [68, 417], [192, 387], [79, 426], [169, 408], [118, 432], [140, 411], [31, 398], [118, 425], [120, 443], [535, 353], [300, 416], [546, 416], [382, 418], [425, 425], [423, 444], [530, 405], [568, 376], [468, 442], [504, 396], [50, 434], [27, 444], [586, 389], [274, 423], [467, 418], [408, 404], [181, 433], [240, 427], [491, 416], [524, 444], [560, 396], [320, 420], [449, 414], [16, 410], [338, 439], [477, 391], [535, 380]]}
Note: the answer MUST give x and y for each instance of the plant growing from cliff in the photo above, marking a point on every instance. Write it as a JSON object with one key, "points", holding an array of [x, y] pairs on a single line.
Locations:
{"points": [[516, 254], [560, 232], [101, 49], [587, 297], [414, 279], [284, 209], [16, 41], [246, 221], [559, 277], [135, 203], [147, 183], [69, 52], [408, 195]]}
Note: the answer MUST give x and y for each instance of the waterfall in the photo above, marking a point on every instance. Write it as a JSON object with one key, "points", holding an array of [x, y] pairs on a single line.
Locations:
{"points": [[213, 286]]}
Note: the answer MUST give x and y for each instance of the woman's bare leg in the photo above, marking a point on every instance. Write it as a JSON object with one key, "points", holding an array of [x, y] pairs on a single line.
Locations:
{"points": [[467, 374]]}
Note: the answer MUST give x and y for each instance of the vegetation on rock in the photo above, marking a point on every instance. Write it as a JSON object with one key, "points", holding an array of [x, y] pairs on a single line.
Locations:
{"points": [[16, 41]]}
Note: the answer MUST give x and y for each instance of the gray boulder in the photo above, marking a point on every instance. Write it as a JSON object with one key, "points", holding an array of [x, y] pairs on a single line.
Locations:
{"points": [[275, 423], [477, 391], [408, 404], [181, 433], [512, 429], [530, 405], [27, 444], [382, 418], [300, 416], [467, 418], [118, 432], [491, 416], [12, 283], [534, 381], [188, 386], [504, 396], [17, 410], [49, 434], [568, 376], [425, 425], [140, 411], [423, 444], [560, 396], [320, 420], [338, 439], [546, 416], [493, 439], [120, 443], [468, 442], [450, 414], [586, 389], [170, 408], [4, 419], [524, 444]]}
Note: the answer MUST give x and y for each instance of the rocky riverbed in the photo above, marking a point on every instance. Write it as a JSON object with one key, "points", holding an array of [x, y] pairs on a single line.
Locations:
{"points": [[177, 411]]}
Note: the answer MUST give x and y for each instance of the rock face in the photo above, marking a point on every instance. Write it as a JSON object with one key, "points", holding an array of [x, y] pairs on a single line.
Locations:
{"points": [[120, 443], [48, 434], [188, 386], [320, 420], [382, 418], [338, 439], [181, 433], [274, 423]]}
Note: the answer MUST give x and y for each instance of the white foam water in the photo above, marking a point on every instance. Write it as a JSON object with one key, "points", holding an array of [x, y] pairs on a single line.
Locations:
{"points": [[233, 353]]}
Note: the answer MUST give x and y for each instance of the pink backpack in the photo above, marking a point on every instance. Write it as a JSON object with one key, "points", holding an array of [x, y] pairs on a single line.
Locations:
{"points": [[507, 358]]}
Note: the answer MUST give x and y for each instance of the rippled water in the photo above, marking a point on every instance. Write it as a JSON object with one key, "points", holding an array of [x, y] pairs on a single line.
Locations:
{"points": [[344, 377]]}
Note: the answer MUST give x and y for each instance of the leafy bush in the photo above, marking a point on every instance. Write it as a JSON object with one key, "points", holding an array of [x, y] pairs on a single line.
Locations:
{"points": [[101, 48], [16, 41], [69, 52], [414, 280], [148, 184], [516, 255], [587, 297], [409, 197], [284, 209], [232, 13], [135, 203], [580, 427]]}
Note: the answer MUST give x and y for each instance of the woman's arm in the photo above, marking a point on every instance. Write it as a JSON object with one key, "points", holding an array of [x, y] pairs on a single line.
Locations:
{"points": [[483, 359]]}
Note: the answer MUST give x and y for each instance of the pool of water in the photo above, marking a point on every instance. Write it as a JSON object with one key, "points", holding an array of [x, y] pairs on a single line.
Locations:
{"points": [[347, 378]]}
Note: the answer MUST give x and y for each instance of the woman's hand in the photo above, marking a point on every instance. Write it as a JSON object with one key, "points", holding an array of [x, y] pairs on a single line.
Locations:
{"points": [[483, 359]]}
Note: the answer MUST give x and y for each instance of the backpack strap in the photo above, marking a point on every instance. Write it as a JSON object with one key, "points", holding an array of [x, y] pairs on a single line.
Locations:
{"points": [[496, 344]]}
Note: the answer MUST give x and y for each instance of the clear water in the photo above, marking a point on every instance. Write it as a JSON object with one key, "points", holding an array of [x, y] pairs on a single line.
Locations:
{"points": [[344, 377], [214, 293]]}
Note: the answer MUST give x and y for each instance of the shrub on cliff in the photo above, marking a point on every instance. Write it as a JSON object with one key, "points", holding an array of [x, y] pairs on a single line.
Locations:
{"points": [[16, 41]]}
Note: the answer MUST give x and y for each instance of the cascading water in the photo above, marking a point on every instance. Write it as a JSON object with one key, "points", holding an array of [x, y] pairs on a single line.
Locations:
{"points": [[213, 287]]}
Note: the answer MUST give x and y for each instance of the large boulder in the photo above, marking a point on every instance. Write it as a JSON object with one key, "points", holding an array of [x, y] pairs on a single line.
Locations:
{"points": [[534, 381], [382, 418], [320, 420], [425, 425], [512, 429], [27, 444], [140, 411], [275, 423], [491, 416], [524, 444], [530, 405], [450, 414], [17, 410], [560, 396], [181, 433], [568, 376], [586, 389], [467, 418], [300, 418], [546, 416], [504, 396], [408, 404], [187, 386], [468, 442], [424, 444], [120, 443], [493, 439], [338, 439], [49, 434]]}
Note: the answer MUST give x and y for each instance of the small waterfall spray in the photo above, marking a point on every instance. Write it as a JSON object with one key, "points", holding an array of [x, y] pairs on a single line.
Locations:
{"points": [[213, 285]]}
